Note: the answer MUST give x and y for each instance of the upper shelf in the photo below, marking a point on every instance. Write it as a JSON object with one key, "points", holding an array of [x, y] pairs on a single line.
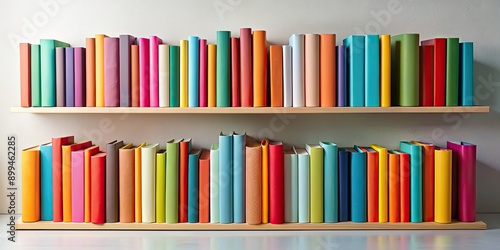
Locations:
{"points": [[251, 110]]}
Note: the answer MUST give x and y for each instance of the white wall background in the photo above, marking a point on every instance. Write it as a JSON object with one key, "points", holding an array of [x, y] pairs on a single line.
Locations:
{"points": [[73, 20]]}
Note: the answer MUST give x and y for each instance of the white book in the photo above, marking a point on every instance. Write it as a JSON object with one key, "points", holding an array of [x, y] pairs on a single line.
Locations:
{"points": [[303, 181], [214, 184], [164, 74], [297, 43], [291, 187], [287, 76], [148, 166]]}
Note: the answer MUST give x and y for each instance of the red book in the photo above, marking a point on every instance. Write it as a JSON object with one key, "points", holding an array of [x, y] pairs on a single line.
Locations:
{"points": [[235, 72], [426, 75], [404, 181], [98, 188], [204, 193], [246, 67], [276, 183], [372, 183], [57, 144], [439, 45], [184, 149]]}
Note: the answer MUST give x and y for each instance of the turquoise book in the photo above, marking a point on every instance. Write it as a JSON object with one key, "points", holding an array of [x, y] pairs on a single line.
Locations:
{"points": [[36, 92], [303, 182], [225, 178], [358, 184], [174, 72], [193, 71], [355, 70], [466, 83], [239, 152], [223, 71], [46, 209], [415, 152], [193, 185], [372, 71], [48, 70], [330, 181]]}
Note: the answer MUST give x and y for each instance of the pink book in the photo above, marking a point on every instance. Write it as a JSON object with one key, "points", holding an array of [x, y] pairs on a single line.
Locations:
{"points": [[77, 186], [79, 77], [144, 72], [154, 99], [235, 72], [111, 72], [203, 74]]}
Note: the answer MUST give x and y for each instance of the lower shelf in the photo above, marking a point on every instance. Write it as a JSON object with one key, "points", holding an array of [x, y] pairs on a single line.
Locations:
{"points": [[48, 225]]}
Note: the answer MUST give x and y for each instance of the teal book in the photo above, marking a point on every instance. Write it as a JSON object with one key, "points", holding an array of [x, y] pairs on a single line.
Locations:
{"points": [[355, 70], [174, 90], [193, 71], [291, 183], [358, 184], [372, 71], [330, 181], [452, 74], [172, 182], [48, 70], [223, 84], [303, 169], [36, 88], [226, 178], [214, 184], [405, 70], [46, 201], [466, 86], [193, 185], [415, 152], [239, 152]]}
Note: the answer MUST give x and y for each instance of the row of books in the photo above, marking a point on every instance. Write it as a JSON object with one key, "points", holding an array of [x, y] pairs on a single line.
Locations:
{"points": [[240, 180], [311, 71]]}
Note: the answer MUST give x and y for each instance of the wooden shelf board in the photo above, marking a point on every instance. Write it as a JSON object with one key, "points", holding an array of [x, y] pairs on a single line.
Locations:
{"points": [[251, 110], [48, 225]]}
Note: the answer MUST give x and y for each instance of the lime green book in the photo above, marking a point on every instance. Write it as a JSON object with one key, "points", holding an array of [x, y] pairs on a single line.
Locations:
{"points": [[48, 70], [452, 62], [405, 70], [172, 182], [316, 182], [160, 186]]}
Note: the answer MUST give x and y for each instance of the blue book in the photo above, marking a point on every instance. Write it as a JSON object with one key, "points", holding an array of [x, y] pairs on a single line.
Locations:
{"points": [[466, 82], [225, 178], [415, 152], [239, 152], [46, 209], [48, 70], [193, 70], [193, 185], [344, 187], [358, 184], [330, 182], [372, 71], [355, 70], [70, 76], [303, 182], [341, 76]]}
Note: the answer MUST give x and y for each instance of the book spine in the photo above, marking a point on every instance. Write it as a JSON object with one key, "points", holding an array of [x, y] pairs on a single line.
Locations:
{"points": [[183, 65], [126, 185], [276, 183], [452, 71], [341, 77], [265, 181], [311, 69], [291, 188], [297, 43], [239, 142], [466, 86], [372, 71], [79, 77], [385, 70], [174, 76], [304, 187], [125, 43], [46, 200], [160, 187], [372, 183], [416, 208], [428, 183], [226, 178], [36, 94], [467, 183], [154, 75], [317, 183], [135, 88], [66, 184], [442, 206], [172, 188], [330, 178], [327, 71], [99, 70], [138, 182], [214, 184], [246, 69], [69, 61], [25, 76], [163, 75], [358, 187], [148, 163], [287, 76], [57, 144], [404, 170], [212, 75], [112, 181], [394, 188], [48, 72], [440, 71], [204, 187], [144, 79], [193, 71], [77, 186], [30, 165], [253, 190], [98, 191], [235, 72], [355, 67], [88, 160], [60, 77], [193, 188], [203, 73], [184, 149], [90, 72], [276, 75], [111, 72], [223, 69], [259, 69], [409, 75], [344, 186], [426, 75], [383, 185]]}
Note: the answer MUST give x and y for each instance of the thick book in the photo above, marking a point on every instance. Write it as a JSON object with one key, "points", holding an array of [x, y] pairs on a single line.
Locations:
{"points": [[78, 186], [183, 76], [276, 183], [89, 152], [172, 180], [135, 87], [372, 184], [112, 181], [69, 77], [126, 181], [60, 77], [214, 184], [276, 75], [303, 167], [246, 69], [404, 181], [126, 41], [174, 86], [358, 184], [111, 72], [144, 71], [211, 75], [439, 69], [330, 181], [327, 70], [30, 167], [427, 180], [235, 72], [341, 77], [296, 41], [442, 205], [203, 88], [385, 70], [452, 71], [193, 186], [193, 71], [239, 142], [99, 70], [79, 56], [344, 185], [138, 182], [393, 160], [253, 183], [355, 70], [90, 70], [415, 152], [25, 76], [154, 74], [48, 71], [160, 208], [57, 172], [46, 200], [148, 166], [311, 69], [259, 69], [426, 75], [98, 191], [36, 87], [163, 75], [316, 181], [372, 71], [466, 77], [184, 149], [405, 70], [204, 187], [226, 178], [287, 76], [223, 88], [291, 186], [383, 182], [265, 180]]}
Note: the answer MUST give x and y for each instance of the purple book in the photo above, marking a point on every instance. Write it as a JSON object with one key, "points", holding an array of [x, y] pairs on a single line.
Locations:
{"points": [[341, 84], [79, 77], [125, 84], [111, 72], [70, 77], [60, 78]]}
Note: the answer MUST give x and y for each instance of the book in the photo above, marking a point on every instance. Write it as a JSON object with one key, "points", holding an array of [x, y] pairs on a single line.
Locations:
{"points": [[203, 101], [204, 187], [160, 187], [253, 183], [89, 152], [330, 181], [259, 68], [138, 182], [214, 184], [372, 185], [426, 75], [144, 71], [303, 166], [276, 183], [184, 76], [57, 175], [125, 43], [383, 183], [35, 74], [111, 72], [226, 178], [311, 69], [404, 181], [223, 69], [25, 76], [265, 180], [79, 56], [427, 180], [341, 77], [276, 75], [355, 70], [235, 72], [47, 71], [184, 149], [443, 177], [394, 187], [385, 70], [30, 176], [415, 152], [344, 185], [358, 184], [246, 70], [172, 175], [212, 75], [78, 186], [327, 70], [405, 70], [193, 71], [112, 181], [98, 191], [46, 200], [372, 71], [163, 75], [439, 69], [174, 86], [90, 72], [99, 70], [296, 41], [69, 76], [193, 186], [316, 181], [239, 142], [135, 87], [126, 183], [148, 165], [466, 77], [291, 187], [287, 76], [60, 77], [154, 74], [452, 71]]}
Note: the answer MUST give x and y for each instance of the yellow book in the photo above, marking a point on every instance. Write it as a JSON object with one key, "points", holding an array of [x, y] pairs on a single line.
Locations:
{"points": [[184, 74], [99, 70], [265, 181], [30, 160], [385, 70], [383, 183], [161, 156], [138, 190], [212, 52], [442, 183], [88, 154], [315, 182]]}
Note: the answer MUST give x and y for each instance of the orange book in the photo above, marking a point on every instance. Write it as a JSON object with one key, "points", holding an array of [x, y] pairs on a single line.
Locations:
{"points": [[90, 72], [276, 75], [134, 76], [138, 183], [259, 69], [89, 152], [311, 69], [25, 57], [327, 70], [427, 181], [265, 181], [371, 183], [212, 56], [30, 166], [66, 176], [204, 193], [394, 196]]}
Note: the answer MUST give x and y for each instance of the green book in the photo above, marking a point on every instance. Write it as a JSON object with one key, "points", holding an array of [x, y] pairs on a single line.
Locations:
{"points": [[48, 70], [172, 182], [223, 69], [35, 76], [405, 69], [452, 61], [160, 186], [174, 77], [316, 182]]}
